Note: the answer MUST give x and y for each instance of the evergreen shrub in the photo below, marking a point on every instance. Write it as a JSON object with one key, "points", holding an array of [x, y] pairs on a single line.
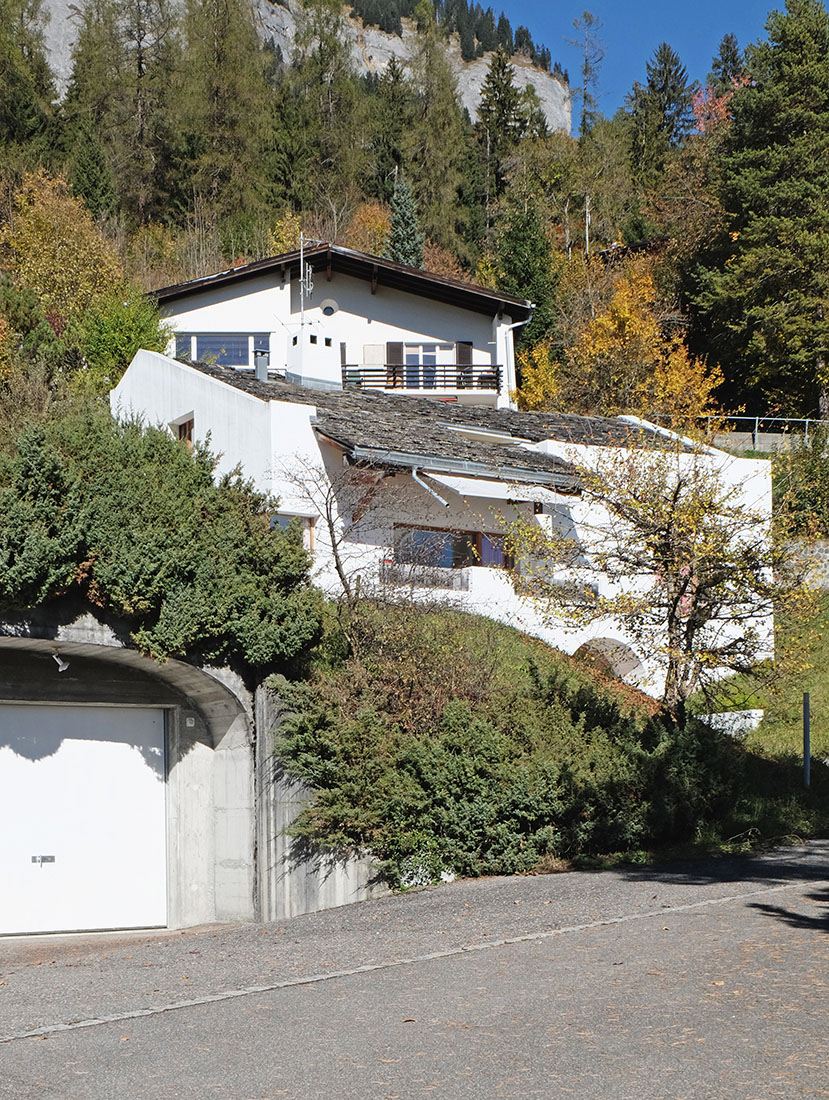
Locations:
{"points": [[443, 743]]}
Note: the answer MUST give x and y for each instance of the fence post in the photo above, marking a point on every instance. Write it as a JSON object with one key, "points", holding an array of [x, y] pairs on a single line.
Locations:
{"points": [[755, 433], [807, 746], [806, 432]]}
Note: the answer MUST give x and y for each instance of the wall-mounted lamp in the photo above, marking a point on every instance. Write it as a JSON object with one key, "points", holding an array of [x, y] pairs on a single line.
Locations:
{"points": [[62, 664]]}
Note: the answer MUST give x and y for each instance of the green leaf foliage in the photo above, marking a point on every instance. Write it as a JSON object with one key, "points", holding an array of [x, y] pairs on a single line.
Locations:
{"points": [[452, 744], [133, 522]]}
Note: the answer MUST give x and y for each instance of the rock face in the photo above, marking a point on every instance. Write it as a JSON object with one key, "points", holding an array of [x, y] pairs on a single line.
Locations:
{"points": [[371, 49]]}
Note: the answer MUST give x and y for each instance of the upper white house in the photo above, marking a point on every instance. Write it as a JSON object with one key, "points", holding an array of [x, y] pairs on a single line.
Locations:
{"points": [[332, 315]]}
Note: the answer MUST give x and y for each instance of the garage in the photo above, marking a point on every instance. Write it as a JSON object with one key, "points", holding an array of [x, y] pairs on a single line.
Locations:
{"points": [[82, 817]]}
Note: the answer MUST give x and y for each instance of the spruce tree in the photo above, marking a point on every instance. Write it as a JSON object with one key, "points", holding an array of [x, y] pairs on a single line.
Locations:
{"points": [[436, 136], [762, 294], [26, 87], [499, 127], [727, 67], [405, 240], [90, 176]]}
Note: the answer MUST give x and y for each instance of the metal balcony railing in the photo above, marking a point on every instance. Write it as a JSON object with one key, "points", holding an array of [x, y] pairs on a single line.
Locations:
{"points": [[419, 377]]}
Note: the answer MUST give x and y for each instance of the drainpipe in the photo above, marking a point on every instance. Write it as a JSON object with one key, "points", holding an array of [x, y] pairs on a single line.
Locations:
{"points": [[510, 382], [428, 488]]}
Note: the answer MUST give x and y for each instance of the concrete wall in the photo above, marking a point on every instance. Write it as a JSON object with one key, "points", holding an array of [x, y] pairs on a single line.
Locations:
{"points": [[295, 878]]}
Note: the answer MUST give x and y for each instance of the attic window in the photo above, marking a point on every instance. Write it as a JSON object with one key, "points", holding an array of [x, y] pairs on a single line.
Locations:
{"points": [[329, 307]]}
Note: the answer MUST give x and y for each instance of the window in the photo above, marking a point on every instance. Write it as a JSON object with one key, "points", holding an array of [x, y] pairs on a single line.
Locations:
{"points": [[443, 549], [422, 363], [185, 431], [184, 346], [282, 521], [227, 349]]}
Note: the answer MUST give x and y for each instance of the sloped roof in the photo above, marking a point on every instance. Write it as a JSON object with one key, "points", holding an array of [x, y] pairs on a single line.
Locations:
{"points": [[402, 431], [327, 257]]}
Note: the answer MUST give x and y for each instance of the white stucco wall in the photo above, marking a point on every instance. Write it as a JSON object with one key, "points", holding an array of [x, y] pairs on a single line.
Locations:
{"points": [[265, 304]]}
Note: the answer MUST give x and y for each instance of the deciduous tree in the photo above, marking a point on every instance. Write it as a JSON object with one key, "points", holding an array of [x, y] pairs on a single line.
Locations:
{"points": [[678, 550]]}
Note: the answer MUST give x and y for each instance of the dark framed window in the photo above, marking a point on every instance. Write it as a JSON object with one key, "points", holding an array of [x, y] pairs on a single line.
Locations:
{"points": [[444, 549], [227, 349]]}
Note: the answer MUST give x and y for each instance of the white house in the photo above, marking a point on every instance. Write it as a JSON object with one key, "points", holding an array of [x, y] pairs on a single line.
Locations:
{"points": [[409, 492], [351, 317]]}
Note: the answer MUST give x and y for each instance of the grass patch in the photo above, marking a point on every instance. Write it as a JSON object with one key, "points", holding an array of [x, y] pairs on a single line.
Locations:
{"points": [[802, 665]]}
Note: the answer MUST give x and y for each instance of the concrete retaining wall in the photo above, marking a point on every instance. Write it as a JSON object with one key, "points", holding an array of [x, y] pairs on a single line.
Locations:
{"points": [[295, 878]]}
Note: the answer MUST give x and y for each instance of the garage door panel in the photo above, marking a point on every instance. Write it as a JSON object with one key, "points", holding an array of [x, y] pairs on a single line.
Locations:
{"points": [[81, 788]]}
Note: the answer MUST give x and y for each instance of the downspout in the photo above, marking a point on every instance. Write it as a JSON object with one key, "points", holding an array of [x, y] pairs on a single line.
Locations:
{"points": [[509, 366], [428, 488]]}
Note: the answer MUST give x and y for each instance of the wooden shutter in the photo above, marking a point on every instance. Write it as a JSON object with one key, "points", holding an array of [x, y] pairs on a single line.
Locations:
{"points": [[394, 353], [463, 353]]}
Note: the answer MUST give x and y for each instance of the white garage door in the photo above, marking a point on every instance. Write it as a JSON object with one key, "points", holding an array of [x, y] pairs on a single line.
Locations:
{"points": [[82, 818]]}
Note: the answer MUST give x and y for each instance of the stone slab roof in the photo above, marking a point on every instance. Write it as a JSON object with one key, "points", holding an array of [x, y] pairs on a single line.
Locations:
{"points": [[362, 422]]}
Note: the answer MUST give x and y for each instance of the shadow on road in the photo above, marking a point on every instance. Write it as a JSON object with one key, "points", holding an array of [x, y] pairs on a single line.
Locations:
{"points": [[820, 922], [810, 862]]}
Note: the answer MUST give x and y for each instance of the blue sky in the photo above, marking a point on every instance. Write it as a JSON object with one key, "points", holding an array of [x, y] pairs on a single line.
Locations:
{"points": [[634, 28]]}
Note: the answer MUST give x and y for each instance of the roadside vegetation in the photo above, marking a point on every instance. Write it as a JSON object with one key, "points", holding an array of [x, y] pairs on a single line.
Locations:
{"points": [[448, 744]]}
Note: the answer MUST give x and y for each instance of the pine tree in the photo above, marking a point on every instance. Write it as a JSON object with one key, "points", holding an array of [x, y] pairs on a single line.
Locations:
{"points": [[405, 240], [660, 113], [391, 113], [499, 126], [26, 86], [436, 137], [728, 67], [224, 100], [762, 295], [592, 53], [90, 176]]}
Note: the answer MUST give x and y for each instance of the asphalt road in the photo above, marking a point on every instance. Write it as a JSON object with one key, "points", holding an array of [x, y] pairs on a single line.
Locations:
{"points": [[689, 981]]}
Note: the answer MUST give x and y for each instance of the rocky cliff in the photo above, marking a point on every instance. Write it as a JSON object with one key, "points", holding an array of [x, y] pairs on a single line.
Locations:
{"points": [[371, 49]]}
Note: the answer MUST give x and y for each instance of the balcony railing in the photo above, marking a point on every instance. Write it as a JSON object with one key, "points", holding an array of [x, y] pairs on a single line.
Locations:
{"points": [[405, 575], [419, 377]]}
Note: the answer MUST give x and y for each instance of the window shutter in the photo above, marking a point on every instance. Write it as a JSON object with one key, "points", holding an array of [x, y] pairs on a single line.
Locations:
{"points": [[394, 353], [463, 353]]}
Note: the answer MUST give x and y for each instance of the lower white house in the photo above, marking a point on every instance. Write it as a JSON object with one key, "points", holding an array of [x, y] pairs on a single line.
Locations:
{"points": [[414, 493]]}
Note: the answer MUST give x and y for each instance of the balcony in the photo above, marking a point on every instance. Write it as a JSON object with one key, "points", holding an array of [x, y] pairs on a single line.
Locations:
{"points": [[422, 378]]}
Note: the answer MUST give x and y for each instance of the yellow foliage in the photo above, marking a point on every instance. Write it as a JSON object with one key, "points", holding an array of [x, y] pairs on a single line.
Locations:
{"points": [[5, 349], [623, 362], [540, 383], [284, 237], [368, 228], [681, 388], [486, 273], [54, 248]]}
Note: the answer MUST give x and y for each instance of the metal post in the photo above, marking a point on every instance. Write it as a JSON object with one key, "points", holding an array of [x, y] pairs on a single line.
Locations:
{"points": [[755, 433], [807, 747]]}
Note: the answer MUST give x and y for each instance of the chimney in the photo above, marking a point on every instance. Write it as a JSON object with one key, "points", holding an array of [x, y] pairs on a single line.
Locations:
{"points": [[260, 365], [314, 360]]}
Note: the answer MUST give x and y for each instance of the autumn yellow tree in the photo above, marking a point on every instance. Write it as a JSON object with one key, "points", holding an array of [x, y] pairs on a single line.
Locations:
{"points": [[368, 228], [52, 246], [676, 547], [624, 360]]}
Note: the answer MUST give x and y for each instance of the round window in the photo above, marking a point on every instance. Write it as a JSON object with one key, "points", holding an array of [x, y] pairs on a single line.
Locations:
{"points": [[329, 307]]}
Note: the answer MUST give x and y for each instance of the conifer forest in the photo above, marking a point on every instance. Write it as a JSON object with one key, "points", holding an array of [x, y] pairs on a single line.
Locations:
{"points": [[674, 252]]}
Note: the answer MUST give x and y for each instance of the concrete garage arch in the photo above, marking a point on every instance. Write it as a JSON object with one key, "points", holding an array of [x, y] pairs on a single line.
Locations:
{"points": [[208, 770]]}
